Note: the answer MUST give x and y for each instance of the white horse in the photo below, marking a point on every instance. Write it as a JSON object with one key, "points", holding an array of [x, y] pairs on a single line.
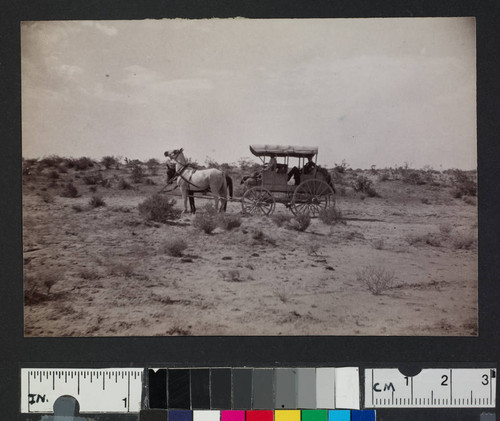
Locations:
{"points": [[190, 179]]}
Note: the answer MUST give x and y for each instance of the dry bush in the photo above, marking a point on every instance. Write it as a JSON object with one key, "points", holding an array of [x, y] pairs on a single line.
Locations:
{"points": [[300, 222], [89, 274], [37, 287], [109, 161], [429, 239], [77, 208], [376, 279], [259, 237], [229, 222], [121, 269], [206, 219], [364, 185], [70, 191], [283, 294], [330, 215], [53, 175], [83, 163], [470, 200], [464, 241], [231, 275], [159, 208], [378, 244], [463, 184], [47, 197], [313, 248], [92, 179], [124, 184], [137, 174], [96, 202], [445, 229], [281, 219], [175, 246]]}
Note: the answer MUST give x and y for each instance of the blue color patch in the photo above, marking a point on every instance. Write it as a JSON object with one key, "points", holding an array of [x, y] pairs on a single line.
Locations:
{"points": [[180, 415], [339, 415], [363, 415]]}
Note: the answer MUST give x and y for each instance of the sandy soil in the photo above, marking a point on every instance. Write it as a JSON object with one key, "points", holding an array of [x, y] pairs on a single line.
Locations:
{"points": [[111, 275]]}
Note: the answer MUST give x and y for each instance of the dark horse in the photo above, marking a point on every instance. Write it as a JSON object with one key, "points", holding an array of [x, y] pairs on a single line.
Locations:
{"points": [[229, 182]]}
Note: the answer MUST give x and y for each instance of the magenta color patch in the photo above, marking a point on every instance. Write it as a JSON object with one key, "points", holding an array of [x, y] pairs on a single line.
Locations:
{"points": [[232, 415]]}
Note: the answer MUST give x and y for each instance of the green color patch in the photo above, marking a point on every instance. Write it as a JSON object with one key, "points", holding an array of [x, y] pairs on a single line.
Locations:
{"points": [[314, 415]]}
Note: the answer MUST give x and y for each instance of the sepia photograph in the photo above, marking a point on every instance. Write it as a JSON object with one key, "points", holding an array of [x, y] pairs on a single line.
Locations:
{"points": [[249, 177]]}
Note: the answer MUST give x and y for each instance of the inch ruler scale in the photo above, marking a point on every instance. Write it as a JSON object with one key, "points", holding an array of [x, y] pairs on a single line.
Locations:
{"points": [[96, 390]]}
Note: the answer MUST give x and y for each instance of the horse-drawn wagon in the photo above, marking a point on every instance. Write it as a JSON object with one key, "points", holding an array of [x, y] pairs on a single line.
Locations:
{"points": [[305, 187]]}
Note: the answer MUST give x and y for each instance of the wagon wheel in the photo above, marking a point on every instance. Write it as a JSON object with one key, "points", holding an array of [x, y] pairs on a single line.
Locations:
{"points": [[312, 196], [258, 201]]}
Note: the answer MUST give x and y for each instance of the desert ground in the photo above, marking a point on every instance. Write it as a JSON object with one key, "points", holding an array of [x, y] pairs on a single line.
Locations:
{"points": [[398, 258]]}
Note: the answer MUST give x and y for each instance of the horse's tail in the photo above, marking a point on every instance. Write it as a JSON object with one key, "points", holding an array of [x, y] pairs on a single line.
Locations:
{"points": [[229, 183]]}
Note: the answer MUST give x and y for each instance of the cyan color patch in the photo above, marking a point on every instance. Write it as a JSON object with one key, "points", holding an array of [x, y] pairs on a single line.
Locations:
{"points": [[339, 415]]}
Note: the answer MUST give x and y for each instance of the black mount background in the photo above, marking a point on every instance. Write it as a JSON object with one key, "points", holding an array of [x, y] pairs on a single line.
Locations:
{"points": [[17, 351]]}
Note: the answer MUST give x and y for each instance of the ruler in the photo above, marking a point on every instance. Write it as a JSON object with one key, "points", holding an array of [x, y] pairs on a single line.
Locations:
{"points": [[116, 390], [431, 388]]}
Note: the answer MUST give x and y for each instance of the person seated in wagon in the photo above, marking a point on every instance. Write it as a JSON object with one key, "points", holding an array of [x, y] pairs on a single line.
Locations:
{"points": [[307, 169]]}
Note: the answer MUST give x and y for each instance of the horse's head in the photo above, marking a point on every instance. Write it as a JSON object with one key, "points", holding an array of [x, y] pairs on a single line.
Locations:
{"points": [[170, 172], [174, 154]]}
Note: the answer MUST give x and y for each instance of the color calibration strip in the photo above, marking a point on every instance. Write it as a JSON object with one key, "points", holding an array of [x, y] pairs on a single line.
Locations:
{"points": [[254, 388], [258, 415]]}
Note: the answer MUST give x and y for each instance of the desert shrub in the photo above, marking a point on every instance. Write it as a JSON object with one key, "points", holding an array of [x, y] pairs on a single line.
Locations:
{"points": [[463, 184], [124, 184], [92, 179], [159, 208], [83, 163], [206, 219], [77, 208], [37, 288], [109, 161], [376, 279], [281, 219], [92, 189], [47, 197], [464, 241], [89, 274], [232, 275], [53, 175], [175, 246], [105, 182], [470, 200], [313, 248], [300, 222], [341, 168], [384, 176], [283, 294], [51, 161], [149, 182], [137, 174], [429, 239], [330, 215], [260, 237], [62, 168], [229, 222], [378, 244], [364, 185], [96, 202], [123, 269], [152, 165], [445, 229], [413, 177], [70, 191]]}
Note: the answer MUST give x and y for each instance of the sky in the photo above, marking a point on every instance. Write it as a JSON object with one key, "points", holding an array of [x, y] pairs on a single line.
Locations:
{"points": [[381, 92]]}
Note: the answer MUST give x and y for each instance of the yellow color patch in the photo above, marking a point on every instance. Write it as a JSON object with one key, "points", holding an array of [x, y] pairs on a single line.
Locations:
{"points": [[287, 415]]}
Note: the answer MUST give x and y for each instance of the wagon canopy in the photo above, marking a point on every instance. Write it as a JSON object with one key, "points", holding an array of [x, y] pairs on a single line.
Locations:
{"points": [[284, 150]]}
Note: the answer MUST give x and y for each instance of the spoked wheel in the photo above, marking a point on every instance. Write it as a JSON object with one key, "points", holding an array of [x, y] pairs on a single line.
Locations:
{"points": [[312, 196], [258, 201]]}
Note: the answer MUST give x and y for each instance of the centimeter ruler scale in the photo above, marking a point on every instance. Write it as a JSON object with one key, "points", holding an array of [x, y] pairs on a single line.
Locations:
{"points": [[431, 388]]}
